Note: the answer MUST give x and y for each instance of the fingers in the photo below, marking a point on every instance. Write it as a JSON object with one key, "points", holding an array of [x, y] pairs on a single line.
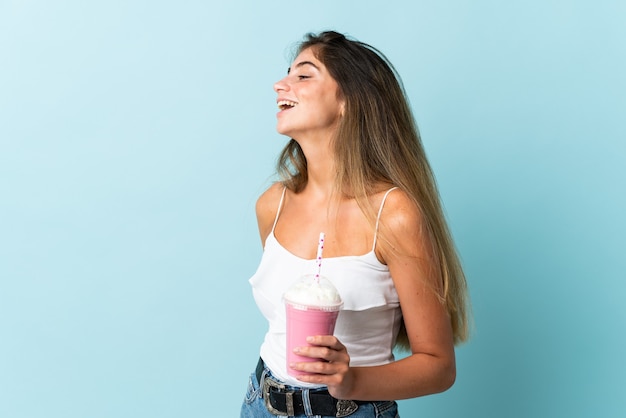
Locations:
{"points": [[322, 372], [335, 375], [326, 340], [329, 365], [331, 353], [324, 347]]}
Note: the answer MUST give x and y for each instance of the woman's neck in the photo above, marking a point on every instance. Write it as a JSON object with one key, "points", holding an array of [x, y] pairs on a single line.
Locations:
{"points": [[321, 169]]}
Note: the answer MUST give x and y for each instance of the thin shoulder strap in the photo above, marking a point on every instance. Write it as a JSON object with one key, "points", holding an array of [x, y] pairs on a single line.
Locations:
{"points": [[380, 210], [280, 206]]}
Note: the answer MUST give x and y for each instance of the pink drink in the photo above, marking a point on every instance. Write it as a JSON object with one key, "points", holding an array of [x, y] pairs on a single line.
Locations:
{"points": [[312, 309]]}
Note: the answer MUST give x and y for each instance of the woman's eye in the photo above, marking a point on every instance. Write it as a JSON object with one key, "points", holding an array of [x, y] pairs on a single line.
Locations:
{"points": [[303, 77]]}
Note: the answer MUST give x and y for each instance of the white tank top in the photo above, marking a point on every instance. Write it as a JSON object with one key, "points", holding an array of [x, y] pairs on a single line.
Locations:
{"points": [[369, 322]]}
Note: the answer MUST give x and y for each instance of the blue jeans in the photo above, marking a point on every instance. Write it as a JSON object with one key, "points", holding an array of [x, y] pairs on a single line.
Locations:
{"points": [[254, 406]]}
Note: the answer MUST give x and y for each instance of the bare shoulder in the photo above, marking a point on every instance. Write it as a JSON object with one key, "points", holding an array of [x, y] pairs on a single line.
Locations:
{"points": [[400, 211], [266, 208], [402, 225]]}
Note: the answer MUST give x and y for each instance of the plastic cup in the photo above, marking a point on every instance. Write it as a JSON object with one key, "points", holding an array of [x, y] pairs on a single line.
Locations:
{"points": [[312, 309]]}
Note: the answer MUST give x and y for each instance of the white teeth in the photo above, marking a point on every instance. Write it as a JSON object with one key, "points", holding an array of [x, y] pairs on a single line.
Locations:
{"points": [[285, 104]]}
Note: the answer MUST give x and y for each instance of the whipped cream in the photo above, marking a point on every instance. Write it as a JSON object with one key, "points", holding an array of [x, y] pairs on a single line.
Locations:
{"points": [[310, 292]]}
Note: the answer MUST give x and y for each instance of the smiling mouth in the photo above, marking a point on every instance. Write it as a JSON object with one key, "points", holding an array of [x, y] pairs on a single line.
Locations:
{"points": [[286, 104]]}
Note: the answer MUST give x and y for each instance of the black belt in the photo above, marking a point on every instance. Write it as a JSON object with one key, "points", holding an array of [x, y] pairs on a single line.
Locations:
{"points": [[282, 401]]}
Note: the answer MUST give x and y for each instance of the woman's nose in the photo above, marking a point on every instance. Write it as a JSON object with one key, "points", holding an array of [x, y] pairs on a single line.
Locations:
{"points": [[281, 85]]}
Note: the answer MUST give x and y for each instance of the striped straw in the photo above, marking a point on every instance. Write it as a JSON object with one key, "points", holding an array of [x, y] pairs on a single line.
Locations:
{"points": [[320, 248]]}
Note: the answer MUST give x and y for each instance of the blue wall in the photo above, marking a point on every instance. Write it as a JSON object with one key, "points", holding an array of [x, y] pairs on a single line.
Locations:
{"points": [[136, 135]]}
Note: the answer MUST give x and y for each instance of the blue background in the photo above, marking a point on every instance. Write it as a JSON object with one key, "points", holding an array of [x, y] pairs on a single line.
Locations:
{"points": [[135, 137]]}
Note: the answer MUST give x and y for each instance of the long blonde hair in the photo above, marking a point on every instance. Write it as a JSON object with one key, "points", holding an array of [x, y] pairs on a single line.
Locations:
{"points": [[377, 142]]}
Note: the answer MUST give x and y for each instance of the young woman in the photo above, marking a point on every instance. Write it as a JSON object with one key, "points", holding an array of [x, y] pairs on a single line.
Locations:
{"points": [[356, 170]]}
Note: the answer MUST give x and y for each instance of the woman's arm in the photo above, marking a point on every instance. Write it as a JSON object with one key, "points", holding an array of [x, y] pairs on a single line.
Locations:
{"points": [[406, 248]]}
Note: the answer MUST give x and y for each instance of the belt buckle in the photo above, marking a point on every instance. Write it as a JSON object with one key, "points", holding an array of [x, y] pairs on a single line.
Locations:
{"points": [[345, 408], [268, 384]]}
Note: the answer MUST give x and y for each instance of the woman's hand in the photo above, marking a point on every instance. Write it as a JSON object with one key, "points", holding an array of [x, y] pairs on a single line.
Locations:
{"points": [[335, 372]]}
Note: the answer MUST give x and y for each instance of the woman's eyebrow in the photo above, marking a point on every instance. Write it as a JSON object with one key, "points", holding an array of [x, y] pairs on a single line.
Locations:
{"points": [[303, 63]]}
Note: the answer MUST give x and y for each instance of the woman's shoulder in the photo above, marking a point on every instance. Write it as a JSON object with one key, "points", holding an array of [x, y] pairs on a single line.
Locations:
{"points": [[401, 220], [399, 208], [267, 206], [269, 199]]}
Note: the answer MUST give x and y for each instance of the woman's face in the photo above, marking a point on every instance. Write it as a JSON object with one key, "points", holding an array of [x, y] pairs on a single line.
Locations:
{"points": [[308, 99]]}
